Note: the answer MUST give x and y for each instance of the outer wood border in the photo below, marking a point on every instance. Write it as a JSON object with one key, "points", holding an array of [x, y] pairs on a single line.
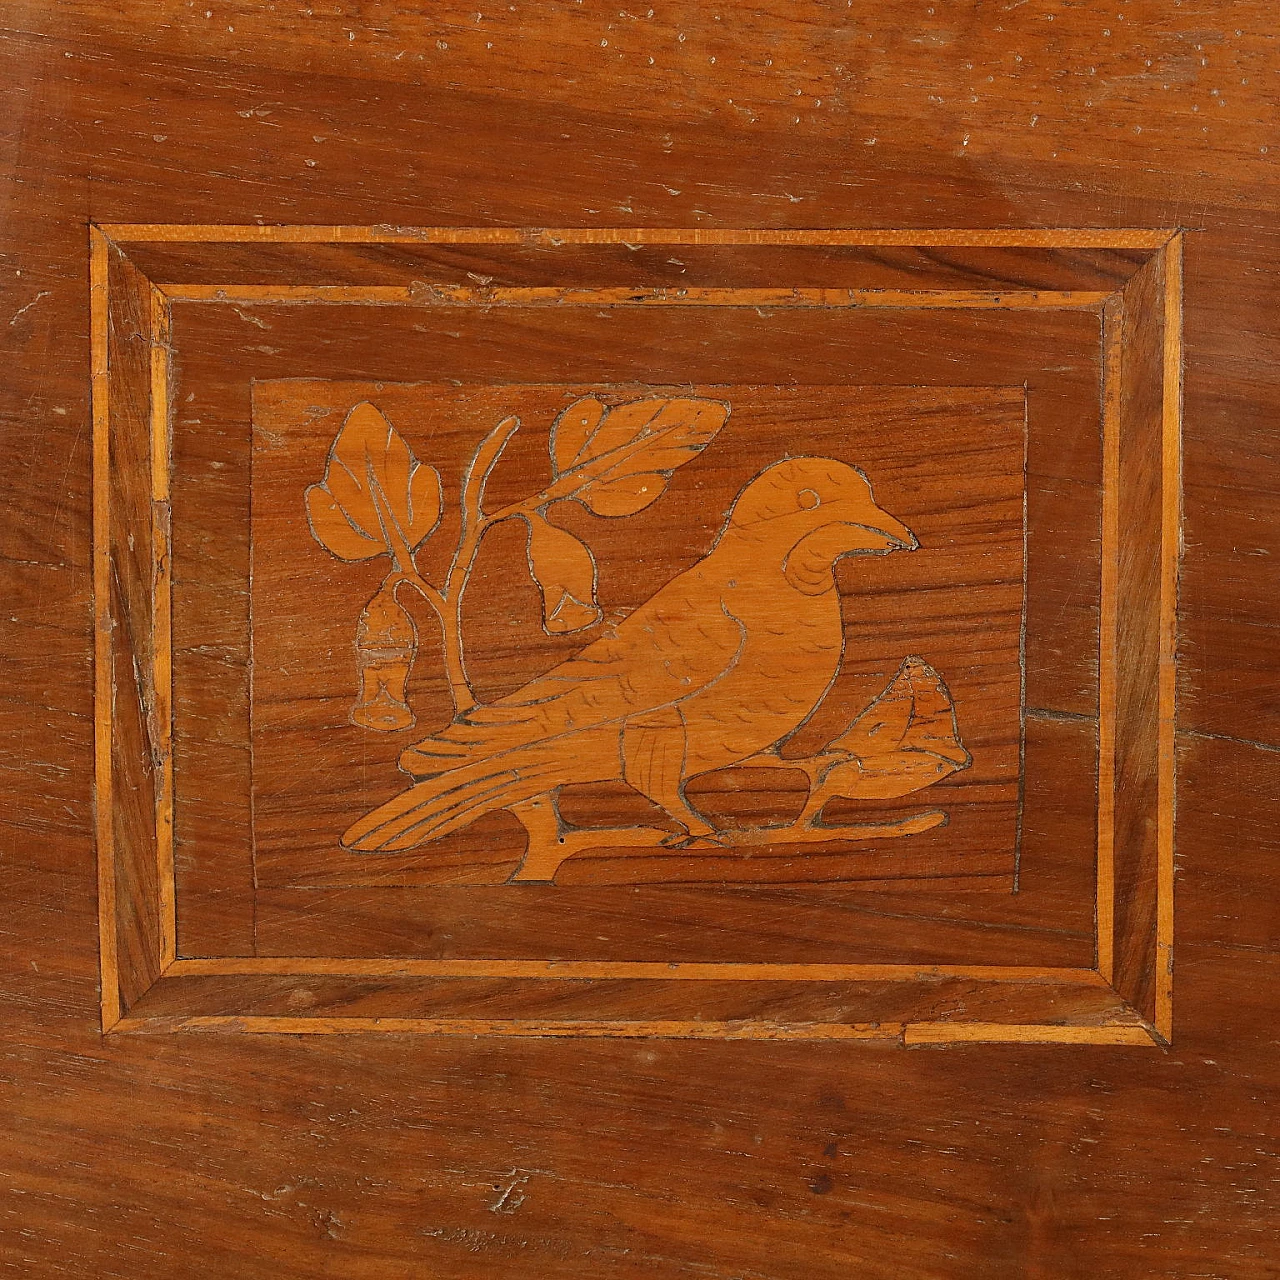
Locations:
{"points": [[1014, 238], [1121, 1025], [1170, 557], [103, 710], [909, 1034]]}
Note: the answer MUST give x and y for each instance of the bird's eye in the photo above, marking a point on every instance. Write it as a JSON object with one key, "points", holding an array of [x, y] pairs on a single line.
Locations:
{"points": [[809, 498]]}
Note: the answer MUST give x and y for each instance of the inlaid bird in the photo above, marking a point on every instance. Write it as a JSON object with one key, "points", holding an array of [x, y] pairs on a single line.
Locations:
{"points": [[724, 661]]}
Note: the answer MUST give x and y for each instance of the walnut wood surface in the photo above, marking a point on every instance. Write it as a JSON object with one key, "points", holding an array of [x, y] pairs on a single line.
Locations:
{"points": [[882, 1153]]}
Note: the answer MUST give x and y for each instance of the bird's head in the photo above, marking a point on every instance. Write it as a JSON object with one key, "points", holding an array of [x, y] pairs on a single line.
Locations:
{"points": [[810, 512]]}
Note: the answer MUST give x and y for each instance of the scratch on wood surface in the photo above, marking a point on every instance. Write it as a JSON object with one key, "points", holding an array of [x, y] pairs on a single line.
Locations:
{"points": [[22, 311], [510, 1192]]}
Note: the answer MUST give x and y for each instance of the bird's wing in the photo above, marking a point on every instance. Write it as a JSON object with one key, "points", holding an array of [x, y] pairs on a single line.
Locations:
{"points": [[672, 647]]}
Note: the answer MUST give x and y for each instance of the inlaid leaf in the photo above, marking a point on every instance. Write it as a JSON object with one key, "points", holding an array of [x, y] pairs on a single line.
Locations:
{"points": [[565, 571], [376, 497], [626, 495], [331, 528], [572, 431], [625, 455]]}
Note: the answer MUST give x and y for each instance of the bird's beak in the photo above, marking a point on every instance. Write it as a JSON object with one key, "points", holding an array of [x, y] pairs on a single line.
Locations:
{"points": [[896, 535], [866, 528]]}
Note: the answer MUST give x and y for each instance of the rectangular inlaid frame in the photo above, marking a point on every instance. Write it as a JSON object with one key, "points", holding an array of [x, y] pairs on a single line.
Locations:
{"points": [[1126, 998]]}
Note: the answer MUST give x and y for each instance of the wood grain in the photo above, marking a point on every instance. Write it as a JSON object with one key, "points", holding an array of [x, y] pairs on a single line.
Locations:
{"points": [[389, 1155], [130, 796], [1147, 516], [429, 271]]}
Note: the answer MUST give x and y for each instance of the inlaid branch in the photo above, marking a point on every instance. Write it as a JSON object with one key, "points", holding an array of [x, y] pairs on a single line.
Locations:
{"points": [[378, 499]]}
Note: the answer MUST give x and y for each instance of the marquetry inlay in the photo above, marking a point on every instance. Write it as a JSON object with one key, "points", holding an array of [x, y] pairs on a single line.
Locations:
{"points": [[619, 617]]}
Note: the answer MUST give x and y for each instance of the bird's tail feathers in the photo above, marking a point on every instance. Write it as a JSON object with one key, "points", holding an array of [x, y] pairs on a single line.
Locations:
{"points": [[444, 804], [434, 756], [482, 731]]}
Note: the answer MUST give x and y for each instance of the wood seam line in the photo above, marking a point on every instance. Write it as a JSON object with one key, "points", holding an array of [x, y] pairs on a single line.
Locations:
{"points": [[1113, 325], [642, 296], [103, 657], [1129, 1010], [161, 720], [907, 1034], [97, 232], [318, 966], [1062, 237], [1171, 533]]}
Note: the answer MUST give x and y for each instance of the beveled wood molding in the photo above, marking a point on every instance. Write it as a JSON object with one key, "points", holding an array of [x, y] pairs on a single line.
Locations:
{"points": [[1129, 279]]}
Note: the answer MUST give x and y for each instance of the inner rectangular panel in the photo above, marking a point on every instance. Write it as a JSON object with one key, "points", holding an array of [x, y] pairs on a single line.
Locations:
{"points": [[886, 391]]}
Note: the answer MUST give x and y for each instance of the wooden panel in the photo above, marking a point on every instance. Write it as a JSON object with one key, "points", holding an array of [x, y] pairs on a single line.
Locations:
{"points": [[250, 839], [550, 1157], [212, 836], [699, 1004], [431, 272], [957, 486]]}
